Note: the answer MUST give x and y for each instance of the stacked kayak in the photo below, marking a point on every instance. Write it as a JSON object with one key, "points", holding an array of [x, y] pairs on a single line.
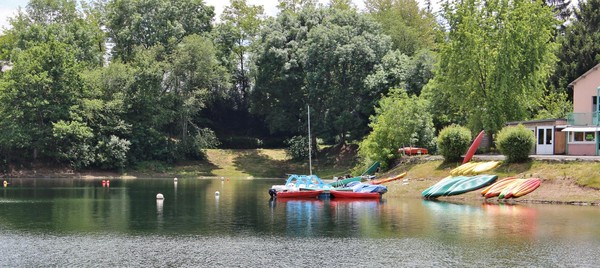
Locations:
{"points": [[458, 185], [511, 187], [474, 168]]}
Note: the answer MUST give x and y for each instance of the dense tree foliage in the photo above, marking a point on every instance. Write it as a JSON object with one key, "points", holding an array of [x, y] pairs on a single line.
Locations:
{"points": [[111, 83], [60, 21], [146, 23], [411, 28], [318, 57], [496, 60], [580, 45]]}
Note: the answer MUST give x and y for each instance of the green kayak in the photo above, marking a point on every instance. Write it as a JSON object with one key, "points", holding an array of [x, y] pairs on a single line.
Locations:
{"points": [[470, 184], [344, 181], [440, 188]]}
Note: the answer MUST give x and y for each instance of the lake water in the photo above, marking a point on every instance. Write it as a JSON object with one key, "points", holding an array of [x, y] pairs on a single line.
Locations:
{"points": [[79, 223]]}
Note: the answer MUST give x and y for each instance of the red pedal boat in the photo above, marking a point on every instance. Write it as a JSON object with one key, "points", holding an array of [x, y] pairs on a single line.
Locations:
{"points": [[412, 151], [348, 194], [299, 194]]}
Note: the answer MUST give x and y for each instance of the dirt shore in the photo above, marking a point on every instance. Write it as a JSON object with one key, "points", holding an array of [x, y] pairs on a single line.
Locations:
{"points": [[554, 191]]}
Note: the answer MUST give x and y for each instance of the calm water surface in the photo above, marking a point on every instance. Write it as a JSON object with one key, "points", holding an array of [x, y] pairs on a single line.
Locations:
{"points": [[79, 223]]}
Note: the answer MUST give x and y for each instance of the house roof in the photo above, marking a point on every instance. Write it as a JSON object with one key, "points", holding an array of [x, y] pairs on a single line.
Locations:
{"points": [[555, 120], [584, 75]]}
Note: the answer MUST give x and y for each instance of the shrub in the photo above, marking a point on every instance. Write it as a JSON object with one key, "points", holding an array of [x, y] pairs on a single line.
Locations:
{"points": [[515, 143], [112, 152], [297, 148], [453, 141]]}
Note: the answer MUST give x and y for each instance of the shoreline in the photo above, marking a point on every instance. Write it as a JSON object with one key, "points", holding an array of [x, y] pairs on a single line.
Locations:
{"points": [[559, 192], [559, 186]]}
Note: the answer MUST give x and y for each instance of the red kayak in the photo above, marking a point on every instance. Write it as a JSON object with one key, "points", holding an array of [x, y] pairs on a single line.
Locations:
{"points": [[348, 194], [299, 194], [473, 147]]}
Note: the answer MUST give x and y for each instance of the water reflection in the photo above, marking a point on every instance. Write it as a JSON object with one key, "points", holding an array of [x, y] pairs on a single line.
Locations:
{"points": [[303, 217], [66, 216], [492, 221]]}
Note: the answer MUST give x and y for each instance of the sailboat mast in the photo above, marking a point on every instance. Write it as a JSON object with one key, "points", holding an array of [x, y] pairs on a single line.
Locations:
{"points": [[309, 143]]}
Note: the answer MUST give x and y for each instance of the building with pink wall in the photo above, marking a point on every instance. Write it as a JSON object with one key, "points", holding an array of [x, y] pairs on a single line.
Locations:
{"points": [[583, 130]]}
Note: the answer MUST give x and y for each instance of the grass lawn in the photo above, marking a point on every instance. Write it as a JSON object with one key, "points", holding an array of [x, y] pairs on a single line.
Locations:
{"points": [[264, 163]]}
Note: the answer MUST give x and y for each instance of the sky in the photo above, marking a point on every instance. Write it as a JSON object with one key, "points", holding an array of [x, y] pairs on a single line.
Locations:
{"points": [[8, 8]]}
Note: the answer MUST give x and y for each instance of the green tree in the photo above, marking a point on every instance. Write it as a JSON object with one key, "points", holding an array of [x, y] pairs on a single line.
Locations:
{"points": [[319, 57], [580, 45], [340, 53], [554, 105], [240, 24], [195, 75], [443, 111], [295, 6], [399, 121], [496, 60], [146, 23], [410, 27], [104, 112], [42, 87], [392, 72], [421, 71], [278, 95], [341, 4], [397, 70], [62, 21]]}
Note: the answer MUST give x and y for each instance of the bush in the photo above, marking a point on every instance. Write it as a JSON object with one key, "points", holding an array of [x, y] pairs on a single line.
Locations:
{"points": [[297, 148], [112, 152], [515, 143], [453, 141]]}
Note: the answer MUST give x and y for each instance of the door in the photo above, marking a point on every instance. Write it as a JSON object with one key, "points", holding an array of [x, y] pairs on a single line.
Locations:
{"points": [[545, 140]]}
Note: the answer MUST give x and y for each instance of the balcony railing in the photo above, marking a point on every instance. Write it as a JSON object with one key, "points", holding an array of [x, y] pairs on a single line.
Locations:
{"points": [[584, 119]]}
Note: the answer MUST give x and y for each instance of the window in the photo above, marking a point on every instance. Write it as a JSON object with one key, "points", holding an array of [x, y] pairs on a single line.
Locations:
{"points": [[594, 103], [582, 137]]}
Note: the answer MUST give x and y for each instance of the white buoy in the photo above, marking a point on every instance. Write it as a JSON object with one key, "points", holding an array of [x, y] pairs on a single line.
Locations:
{"points": [[222, 178], [175, 179], [217, 193], [160, 196]]}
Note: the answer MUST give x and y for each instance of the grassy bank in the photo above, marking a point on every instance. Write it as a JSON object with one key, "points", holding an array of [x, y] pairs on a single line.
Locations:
{"points": [[264, 163]]}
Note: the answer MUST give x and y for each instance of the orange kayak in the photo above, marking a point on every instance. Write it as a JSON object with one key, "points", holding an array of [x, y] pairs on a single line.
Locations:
{"points": [[526, 187], [508, 190], [397, 177], [496, 188]]}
